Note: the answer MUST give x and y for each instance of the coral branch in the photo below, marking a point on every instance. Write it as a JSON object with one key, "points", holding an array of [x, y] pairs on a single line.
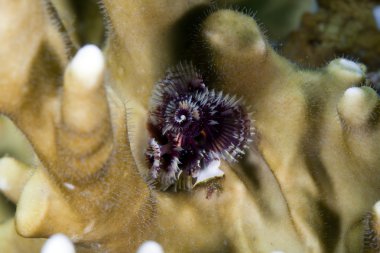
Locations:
{"points": [[84, 103], [13, 176], [356, 108], [348, 73], [38, 34], [85, 136], [287, 100], [240, 55], [38, 206], [145, 50], [31, 87], [85, 169], [11, 242]]}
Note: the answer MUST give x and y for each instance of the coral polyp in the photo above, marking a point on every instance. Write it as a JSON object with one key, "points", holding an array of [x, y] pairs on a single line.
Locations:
{"points": [[193, 126]]}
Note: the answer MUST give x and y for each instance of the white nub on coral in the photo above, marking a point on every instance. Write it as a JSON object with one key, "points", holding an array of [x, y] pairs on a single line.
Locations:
{"points": [[4, 185], [69, 186], [150, 247], [58, 243], [354, 96], [348, 71], [88, 66], [353, 99], [84, 101], [376, 216], [350, 65], [376, 209], [357, 104]]}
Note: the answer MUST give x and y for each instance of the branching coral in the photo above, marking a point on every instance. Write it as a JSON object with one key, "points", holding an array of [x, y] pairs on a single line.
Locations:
{"points": [[338, 28], [305, 186]]}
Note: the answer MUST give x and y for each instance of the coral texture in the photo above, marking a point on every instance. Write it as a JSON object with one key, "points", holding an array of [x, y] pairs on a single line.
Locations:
{"points": [[338, 28], [305, 186]]}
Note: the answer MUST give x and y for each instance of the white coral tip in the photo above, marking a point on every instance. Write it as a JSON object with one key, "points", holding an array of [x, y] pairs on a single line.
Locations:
{"points": [[150, 247], [58, 243], [351, 66], [376, 209], [88, 65], [354, 94]]}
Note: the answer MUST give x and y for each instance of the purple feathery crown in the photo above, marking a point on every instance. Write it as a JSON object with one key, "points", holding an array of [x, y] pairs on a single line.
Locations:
{"points": [[191, 126]]}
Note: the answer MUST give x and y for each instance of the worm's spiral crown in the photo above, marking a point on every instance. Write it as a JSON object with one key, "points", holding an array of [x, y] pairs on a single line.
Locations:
{"points": [[192, 126]]}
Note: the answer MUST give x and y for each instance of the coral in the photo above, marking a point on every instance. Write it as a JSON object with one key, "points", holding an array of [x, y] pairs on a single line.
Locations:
{"points": [[338, 28], [13, 176], [304, 186]]}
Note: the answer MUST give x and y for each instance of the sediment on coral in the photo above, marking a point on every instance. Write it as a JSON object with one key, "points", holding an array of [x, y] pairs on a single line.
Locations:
{"points": [[305, 186]]}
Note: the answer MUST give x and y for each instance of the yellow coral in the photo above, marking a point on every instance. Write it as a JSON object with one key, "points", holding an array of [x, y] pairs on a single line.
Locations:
{"points": [[305, 187]]}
